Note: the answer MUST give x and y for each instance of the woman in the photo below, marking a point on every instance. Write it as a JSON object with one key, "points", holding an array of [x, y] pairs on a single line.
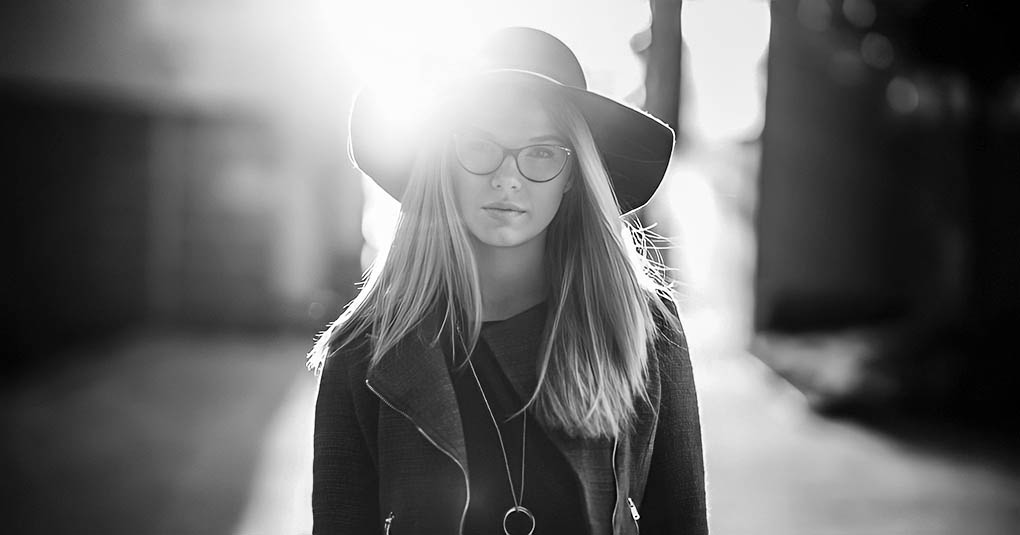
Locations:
{"points": [[514, 364]]}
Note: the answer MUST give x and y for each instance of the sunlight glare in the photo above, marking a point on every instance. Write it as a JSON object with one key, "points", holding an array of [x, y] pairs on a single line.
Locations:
{"points": [[726, 43]]}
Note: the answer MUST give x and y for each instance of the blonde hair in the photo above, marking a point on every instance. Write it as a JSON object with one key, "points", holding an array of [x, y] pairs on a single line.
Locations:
{"points": [[606, 281]]}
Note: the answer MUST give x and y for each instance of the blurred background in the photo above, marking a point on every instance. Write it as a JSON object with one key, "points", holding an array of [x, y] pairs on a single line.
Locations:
{"points": [[185, 220]]}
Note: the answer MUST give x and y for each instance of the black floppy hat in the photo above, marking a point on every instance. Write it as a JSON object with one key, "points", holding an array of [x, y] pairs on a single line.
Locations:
{"points": [[635, 146]]}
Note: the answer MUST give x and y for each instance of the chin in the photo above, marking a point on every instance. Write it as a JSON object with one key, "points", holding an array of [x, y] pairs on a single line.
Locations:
{"points": [[503, 237], [500, 239]]}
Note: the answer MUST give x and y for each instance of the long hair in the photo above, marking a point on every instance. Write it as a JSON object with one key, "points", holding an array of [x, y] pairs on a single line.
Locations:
{"points": [[606, 282]]}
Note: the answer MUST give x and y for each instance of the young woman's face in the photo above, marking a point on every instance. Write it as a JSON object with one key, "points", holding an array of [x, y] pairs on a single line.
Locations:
{"points": [[503, 208]]}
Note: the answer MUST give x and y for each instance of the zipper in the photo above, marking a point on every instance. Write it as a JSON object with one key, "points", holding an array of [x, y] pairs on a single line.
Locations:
{"points": [[467, 485], [388, 523], [634, 513], [616, 484]]}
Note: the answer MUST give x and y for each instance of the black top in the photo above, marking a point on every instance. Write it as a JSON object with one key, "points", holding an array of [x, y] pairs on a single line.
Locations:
{"points": [[550, 488]]}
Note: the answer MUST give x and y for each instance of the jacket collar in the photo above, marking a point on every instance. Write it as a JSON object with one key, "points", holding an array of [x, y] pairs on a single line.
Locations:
{"points": [[413, 377]]}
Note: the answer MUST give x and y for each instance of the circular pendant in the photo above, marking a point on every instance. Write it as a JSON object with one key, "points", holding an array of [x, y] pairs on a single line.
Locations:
{"points": [[514, 515]]}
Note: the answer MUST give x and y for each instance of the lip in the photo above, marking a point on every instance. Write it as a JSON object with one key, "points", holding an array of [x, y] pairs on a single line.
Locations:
{"points": [[504, 206]]}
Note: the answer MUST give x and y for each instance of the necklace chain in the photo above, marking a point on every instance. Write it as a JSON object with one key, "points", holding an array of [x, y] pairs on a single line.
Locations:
{"points": [[506, 461]]}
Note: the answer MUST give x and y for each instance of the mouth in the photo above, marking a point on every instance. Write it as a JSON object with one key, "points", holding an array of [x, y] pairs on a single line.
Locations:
{"points": [[502, 213], [504, 207]]}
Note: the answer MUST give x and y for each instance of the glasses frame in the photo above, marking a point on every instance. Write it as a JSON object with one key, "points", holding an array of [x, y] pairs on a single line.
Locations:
{"points": [[515, 153]]}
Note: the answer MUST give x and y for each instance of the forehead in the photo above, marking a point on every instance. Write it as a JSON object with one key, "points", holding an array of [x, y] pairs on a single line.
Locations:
{"points": [[512, 118]]}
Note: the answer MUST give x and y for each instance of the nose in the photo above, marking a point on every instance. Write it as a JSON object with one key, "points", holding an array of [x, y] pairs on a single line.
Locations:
{"points": [[507, 176]]}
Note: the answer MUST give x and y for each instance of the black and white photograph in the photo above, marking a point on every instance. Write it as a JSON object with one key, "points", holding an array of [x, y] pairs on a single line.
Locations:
{"points": [[529, 267]]}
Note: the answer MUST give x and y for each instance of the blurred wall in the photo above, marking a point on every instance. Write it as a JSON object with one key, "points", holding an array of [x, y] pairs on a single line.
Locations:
{"points": [[174, 164], [80, 217], [889, 151]]}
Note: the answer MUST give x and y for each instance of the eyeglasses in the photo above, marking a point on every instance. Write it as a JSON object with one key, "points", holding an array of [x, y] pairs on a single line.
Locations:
{"points": [[538, 163]]}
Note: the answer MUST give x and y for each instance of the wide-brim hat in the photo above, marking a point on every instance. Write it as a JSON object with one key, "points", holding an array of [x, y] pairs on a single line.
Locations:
{"points": [[635, 146]]}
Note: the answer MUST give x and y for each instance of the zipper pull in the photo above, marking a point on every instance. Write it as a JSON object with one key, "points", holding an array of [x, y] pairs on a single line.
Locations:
{"points": [[633, 509], [388, 523]]}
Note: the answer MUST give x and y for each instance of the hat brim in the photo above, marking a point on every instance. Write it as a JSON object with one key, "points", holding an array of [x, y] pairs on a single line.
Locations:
{"points": [[635, 146]]}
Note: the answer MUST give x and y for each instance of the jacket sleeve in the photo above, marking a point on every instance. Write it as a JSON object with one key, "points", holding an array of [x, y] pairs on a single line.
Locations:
{"points": [[674, 500], [344, 477]]}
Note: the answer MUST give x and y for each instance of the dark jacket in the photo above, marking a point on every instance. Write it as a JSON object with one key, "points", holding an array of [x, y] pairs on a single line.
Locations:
{"points": [[389, 452]]}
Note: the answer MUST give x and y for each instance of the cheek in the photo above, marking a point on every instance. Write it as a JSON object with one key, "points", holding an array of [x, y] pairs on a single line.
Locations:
{"points": [[550, 203]]}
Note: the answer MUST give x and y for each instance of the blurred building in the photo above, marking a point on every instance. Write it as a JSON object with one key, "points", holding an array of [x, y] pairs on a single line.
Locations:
{"points": [[173, 164], [888, 272]]}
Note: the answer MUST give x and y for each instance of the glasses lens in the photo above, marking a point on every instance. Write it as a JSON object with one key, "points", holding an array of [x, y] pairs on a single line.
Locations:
{"points": [[478, 155], [542, 162]]}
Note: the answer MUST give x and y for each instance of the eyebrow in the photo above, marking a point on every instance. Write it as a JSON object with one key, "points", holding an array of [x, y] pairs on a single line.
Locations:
{"points": [[535, 139], [549, 137]]}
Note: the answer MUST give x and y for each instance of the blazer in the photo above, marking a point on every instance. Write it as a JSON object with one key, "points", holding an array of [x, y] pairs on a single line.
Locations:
{"points": [[390, 458]]}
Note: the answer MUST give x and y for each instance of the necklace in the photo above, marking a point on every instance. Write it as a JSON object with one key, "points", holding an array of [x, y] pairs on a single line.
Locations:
{"points": [[517, 508]]}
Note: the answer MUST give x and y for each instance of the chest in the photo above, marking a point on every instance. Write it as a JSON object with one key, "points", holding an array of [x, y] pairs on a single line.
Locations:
{"points": [[427, 487]]}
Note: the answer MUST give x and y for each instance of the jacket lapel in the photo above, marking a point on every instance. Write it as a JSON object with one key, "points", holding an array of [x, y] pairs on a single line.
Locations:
{"points": [[413, 379]]}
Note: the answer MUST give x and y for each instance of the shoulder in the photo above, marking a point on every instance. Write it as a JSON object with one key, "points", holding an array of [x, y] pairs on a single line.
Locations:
{"points": [[669, 330], [669, 356], [347, 361]]}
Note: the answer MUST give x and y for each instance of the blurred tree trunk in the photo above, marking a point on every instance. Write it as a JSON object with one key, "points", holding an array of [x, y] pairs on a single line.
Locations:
{"points": [[662, 59]]}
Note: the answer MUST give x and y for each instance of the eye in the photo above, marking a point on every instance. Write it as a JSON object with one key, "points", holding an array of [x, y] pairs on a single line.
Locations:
{"points": [[475, 143], [477, 154], [541, 152]]}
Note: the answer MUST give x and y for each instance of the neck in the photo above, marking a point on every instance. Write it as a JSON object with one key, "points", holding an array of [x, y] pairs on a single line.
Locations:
{"points": [[512, 278]]}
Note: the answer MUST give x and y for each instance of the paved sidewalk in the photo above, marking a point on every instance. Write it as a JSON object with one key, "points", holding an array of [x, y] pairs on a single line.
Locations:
{"points": [[154, 433], [775, 467]]}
